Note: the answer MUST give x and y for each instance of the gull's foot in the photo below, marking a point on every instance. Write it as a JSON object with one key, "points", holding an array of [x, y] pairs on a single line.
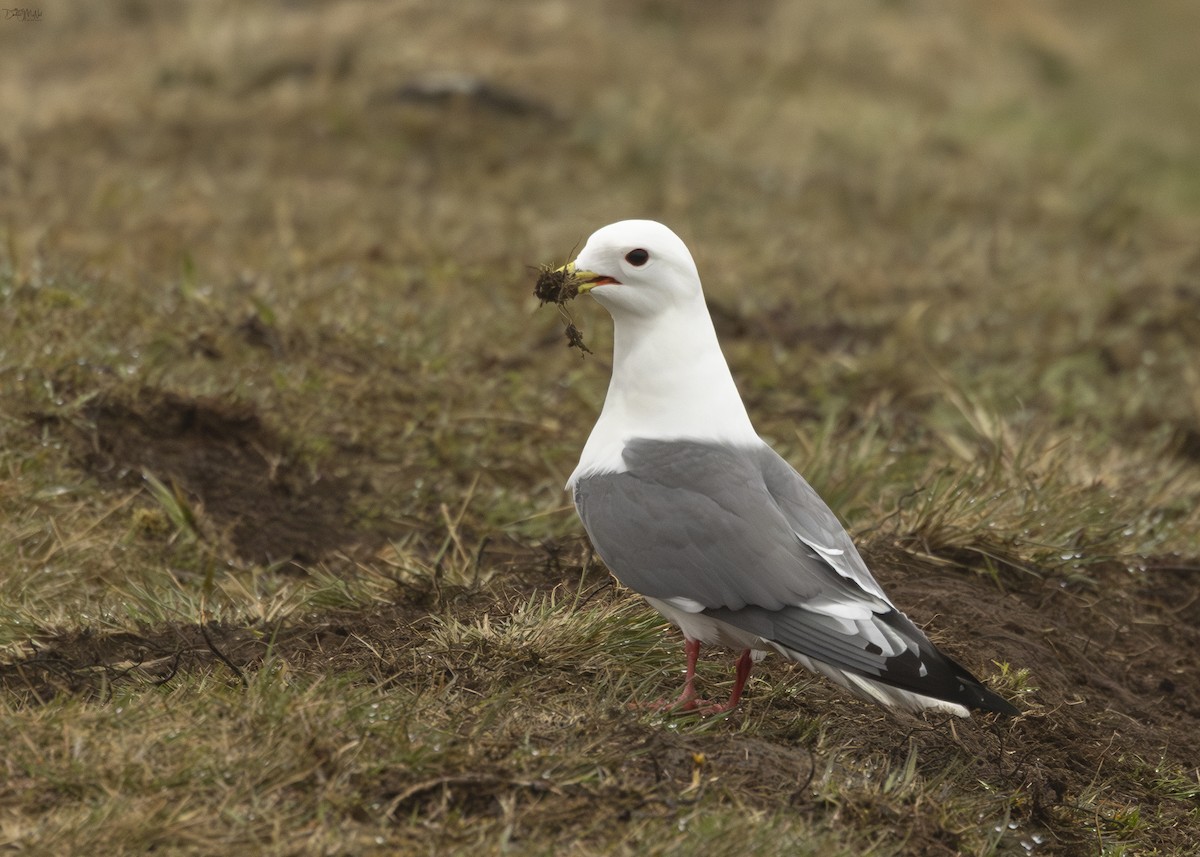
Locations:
{"points": [[686, 701], [685, 705], [709, 709]]}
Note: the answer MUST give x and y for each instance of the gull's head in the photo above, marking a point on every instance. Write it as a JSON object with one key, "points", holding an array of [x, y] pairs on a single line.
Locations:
{"points": [[637, 267]]}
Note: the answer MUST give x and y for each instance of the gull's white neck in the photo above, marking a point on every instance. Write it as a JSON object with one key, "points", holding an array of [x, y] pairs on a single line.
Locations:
{"points": [[670, 381]]}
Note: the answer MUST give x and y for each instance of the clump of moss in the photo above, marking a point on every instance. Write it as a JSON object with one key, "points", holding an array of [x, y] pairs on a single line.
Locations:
{"points": [[557, 286]]}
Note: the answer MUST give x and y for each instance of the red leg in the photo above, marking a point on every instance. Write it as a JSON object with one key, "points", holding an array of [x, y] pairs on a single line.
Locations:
{"points": [[744, 665], [687, 700]]}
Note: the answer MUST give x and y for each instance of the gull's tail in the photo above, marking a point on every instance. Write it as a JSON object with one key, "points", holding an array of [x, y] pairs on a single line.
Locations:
{"points": [[868, 647], [920, 680]]}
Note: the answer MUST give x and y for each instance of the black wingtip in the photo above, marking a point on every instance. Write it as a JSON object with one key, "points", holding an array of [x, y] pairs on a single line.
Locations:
{"points": [[934, 673], [994, 702]]}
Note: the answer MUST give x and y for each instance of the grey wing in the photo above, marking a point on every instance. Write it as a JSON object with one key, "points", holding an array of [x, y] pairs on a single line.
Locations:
{"points": [[697, 521], [813, 522]]}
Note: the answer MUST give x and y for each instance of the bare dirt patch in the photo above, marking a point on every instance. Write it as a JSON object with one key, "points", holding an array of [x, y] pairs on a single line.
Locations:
{"points": [[258, 492], [1116, 686], [92, 663]]}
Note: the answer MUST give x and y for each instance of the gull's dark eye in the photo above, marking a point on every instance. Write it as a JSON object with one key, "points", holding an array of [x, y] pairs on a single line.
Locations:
{"points": [[637, 257]]}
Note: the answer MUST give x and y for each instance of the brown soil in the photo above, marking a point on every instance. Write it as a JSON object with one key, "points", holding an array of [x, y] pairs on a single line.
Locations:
{"points": [[89, 663], [258, 492], [1114, 665]]}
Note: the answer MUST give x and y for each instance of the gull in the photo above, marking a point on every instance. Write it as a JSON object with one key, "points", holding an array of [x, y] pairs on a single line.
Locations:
{"points": [[690, 508]]}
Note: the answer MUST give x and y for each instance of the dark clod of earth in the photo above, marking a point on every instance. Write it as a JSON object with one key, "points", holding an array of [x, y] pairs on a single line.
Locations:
{"points": [[557, 286], [575, 338]]}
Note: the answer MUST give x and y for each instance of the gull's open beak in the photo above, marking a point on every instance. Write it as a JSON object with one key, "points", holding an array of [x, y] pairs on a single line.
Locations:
{"points": [[588, 280]]}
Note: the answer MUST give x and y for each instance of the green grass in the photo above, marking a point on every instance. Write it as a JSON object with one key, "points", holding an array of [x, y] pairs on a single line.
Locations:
{"points": [[286, 565]]}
